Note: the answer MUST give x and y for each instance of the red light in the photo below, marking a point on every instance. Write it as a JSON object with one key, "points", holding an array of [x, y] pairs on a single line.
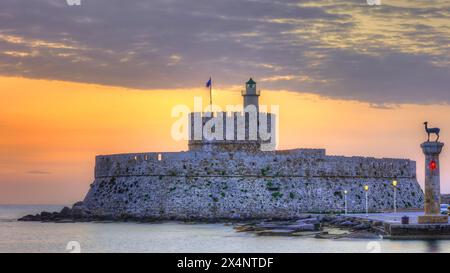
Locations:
{"points": [[433, 165]]}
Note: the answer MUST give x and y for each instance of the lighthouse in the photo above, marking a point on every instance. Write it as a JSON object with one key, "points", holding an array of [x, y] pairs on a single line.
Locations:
{"points": [[251, 95]]}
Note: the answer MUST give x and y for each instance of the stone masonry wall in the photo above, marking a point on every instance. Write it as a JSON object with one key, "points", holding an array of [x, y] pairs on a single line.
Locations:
{"points": [[236, 137], [239, 185]]}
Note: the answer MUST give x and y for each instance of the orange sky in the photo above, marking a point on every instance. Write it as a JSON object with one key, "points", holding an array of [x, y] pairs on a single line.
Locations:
{"points": [[50, 131]]}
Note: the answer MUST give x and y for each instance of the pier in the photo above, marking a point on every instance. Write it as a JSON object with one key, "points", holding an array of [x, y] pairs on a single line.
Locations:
{"points": [[395, 230]]}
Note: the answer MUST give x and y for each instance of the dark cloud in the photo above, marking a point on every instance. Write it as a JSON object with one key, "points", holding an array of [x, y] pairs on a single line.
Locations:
{"points": [[392, 78], [385, 55]]}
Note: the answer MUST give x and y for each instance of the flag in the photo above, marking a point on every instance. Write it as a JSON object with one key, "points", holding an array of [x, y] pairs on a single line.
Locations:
{"points": [[208, 83]]}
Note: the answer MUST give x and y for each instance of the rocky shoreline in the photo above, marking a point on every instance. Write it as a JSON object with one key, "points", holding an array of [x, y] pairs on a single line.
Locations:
{"points": [[79, 214], [319, 226]]}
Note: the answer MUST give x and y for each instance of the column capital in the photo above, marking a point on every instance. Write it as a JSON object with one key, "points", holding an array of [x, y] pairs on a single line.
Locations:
{"points": [[432, 147]]}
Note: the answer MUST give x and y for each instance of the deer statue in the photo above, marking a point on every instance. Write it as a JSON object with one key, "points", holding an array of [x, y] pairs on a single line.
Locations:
{"points": [[432, 131]]}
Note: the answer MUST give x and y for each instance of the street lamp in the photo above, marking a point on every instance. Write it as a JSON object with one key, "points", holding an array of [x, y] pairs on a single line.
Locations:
{"points": [[345, 201], [366, 189], [394, 184]]}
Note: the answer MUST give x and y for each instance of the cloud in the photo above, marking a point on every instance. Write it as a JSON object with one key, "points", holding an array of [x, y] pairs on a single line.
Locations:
{"points": [[390, 54], [174, 59]]}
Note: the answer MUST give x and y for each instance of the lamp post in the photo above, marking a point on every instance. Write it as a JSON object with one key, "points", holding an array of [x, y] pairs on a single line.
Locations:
{"points": [[366, 189], [394, 184], [345, 202]]}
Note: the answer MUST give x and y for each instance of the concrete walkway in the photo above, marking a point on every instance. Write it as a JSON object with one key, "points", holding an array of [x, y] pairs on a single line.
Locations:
{"points": [[413, 231], [390, 217]]}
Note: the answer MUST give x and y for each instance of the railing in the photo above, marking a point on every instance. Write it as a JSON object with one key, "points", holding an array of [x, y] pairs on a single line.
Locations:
{"points": [[244, 93]]}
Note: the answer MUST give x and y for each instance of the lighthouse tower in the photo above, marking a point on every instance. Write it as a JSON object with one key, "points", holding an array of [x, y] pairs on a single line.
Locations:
{"points": [[251, 95], [234, 131]]}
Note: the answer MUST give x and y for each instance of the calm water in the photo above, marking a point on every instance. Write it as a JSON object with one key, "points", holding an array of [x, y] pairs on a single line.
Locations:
{"points": [[172, 237]]}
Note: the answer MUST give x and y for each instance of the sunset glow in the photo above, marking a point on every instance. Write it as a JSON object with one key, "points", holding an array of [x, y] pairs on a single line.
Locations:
{"points": [[52, 130]]}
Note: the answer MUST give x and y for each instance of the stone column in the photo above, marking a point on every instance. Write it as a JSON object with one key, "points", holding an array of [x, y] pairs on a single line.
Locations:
{"points": [[432, 184]]}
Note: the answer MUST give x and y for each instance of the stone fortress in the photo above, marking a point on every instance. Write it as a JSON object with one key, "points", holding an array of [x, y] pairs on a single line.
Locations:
{"points": [[234, 179]]}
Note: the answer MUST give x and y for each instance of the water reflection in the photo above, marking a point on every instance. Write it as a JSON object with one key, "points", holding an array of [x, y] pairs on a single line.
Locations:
{"points": [[177, 237]]}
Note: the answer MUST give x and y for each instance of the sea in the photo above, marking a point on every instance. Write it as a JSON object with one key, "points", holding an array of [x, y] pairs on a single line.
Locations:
{"points": [[36, 237]]}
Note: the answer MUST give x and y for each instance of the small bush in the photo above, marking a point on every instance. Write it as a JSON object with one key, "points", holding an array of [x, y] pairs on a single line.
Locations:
{"points": [[277, 194]]}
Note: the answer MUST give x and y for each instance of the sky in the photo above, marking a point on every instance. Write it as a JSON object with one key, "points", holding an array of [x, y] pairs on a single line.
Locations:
{"points": [[101, 78]]}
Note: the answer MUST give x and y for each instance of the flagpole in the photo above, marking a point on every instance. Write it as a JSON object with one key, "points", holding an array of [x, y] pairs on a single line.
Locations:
{"points": [[210, 94]]}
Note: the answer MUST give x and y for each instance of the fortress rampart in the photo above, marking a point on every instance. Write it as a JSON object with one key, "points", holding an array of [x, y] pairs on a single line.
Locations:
{"points": [[299, 162], [241, 185]]}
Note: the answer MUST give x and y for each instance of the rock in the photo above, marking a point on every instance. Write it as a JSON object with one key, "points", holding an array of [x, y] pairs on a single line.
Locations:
{"points": [[45, 214], [305, 233], [325, 218], [337, 220], [303, 227], [326, 235], [65, 212], [308, 221], [30, 218], [377, 223], [362, 235], [275, 225], [244, 228], [275, 232], [79, 213], [307, 224], [78, 204], [64, 221], [333, 234], [347, 224], [362, 226]]}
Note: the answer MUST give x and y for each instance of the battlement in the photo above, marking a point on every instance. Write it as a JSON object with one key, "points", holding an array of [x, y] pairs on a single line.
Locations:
{"points": [[293, 163]]}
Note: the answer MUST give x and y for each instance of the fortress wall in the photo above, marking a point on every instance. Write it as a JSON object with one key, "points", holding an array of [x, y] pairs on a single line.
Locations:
{"points": [[281, 184], [301, 162], [242, 197]]}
